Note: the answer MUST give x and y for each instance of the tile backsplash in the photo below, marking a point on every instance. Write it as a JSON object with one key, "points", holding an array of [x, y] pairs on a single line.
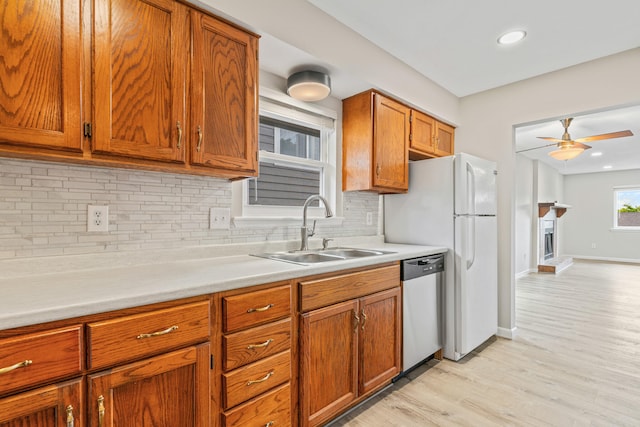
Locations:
{"points": [[43, 211]]}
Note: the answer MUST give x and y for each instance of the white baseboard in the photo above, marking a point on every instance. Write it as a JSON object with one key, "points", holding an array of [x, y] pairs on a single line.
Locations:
{"points": [[525, 272], [598, 258], [506, 333]]}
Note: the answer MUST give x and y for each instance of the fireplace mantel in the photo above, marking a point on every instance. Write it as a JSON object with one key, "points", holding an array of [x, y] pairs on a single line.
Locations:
{"points": [[544, 208]]}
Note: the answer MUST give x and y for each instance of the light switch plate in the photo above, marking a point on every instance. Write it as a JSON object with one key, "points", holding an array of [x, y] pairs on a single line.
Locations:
{"points": [[220, 218]]}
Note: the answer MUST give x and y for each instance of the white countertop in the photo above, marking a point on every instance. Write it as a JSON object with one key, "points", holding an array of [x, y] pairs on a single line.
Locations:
{"points": [[86, 286]]}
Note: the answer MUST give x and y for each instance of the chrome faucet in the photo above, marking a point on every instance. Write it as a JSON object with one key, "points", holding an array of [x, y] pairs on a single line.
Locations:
{"points": [[305, 233]]}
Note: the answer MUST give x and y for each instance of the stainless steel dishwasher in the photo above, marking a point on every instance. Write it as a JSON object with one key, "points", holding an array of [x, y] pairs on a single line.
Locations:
{"points": [[422, 303]]}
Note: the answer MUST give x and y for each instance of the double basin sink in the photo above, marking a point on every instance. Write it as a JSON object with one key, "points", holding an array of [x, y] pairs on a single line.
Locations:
{"points": [[322, 255]]}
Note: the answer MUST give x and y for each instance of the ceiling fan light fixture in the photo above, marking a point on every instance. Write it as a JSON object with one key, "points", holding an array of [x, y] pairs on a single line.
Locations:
{"points": [[566, 153], [512, 37], [309, 85]]}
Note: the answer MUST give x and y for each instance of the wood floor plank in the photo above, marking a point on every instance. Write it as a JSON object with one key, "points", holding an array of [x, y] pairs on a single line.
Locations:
{"points": [[575, 361]]}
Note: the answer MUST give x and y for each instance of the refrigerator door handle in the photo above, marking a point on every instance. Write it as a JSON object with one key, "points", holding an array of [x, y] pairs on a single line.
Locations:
{"points": [[471, 239], [471, 189]]}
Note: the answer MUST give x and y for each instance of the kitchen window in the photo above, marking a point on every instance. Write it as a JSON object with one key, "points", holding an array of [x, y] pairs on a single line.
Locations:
{"points": [[297, 158], [626, 208]]}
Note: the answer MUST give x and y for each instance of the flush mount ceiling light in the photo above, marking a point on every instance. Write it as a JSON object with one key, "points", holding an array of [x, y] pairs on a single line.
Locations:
{"points": [[309, 85], [512, 37]]}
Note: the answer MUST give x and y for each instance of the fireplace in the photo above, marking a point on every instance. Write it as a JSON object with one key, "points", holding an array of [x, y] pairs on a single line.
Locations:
{"points": [[549, 259], [548, 232]]}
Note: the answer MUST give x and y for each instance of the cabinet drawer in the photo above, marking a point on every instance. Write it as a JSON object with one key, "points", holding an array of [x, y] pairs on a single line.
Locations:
{"points": [[40, 357], [272, 408], [244, 383], [132, 337], [255, 308], [322, 292], [244, 347]]}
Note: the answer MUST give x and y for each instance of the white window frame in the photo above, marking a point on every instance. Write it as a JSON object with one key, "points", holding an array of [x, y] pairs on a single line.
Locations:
{"points": [[617, 189], [275, 106]]}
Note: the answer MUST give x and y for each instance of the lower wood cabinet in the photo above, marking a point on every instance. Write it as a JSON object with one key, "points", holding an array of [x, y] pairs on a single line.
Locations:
{"points": [[167, 390], [58, 405], [350, 349]]}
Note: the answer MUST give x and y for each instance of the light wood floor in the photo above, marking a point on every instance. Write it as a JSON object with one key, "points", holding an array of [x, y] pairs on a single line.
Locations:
{"points": [[574, 362]]}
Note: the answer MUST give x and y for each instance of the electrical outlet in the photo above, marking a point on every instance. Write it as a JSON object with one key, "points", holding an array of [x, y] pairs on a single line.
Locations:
{"points": [[97, 218], [369, 218], [593, 246], [220, 218]]}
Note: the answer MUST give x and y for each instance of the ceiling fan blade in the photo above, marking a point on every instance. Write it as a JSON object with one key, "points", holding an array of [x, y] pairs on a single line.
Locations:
{"points": [[612, 135], [548, 138], [535, 148]]}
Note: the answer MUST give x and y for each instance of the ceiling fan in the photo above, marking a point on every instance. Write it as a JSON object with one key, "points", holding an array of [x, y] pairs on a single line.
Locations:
{"points": [[571, 148]]}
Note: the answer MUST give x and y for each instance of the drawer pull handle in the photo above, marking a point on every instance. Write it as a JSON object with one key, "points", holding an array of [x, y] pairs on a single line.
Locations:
{"points": [[261, 380], [356, 320], [18, 365], [260, 309], [364, 318], [270, 424], [101, 411], [70, 420], [156, 334], [264, 344]]}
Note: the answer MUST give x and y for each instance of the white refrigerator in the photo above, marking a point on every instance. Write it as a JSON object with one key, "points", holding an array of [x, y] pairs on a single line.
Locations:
{"points": [[451, 202]]}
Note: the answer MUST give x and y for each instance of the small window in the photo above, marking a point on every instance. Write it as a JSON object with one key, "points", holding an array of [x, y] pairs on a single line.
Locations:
{"points": [[291, 166], [627, 207], [297, 159]]}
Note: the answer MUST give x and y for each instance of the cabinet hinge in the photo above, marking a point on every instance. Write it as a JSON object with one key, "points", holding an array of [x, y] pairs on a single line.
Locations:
{"points": [[212, 363], [411, 117], [87, 130], [410, 137]]}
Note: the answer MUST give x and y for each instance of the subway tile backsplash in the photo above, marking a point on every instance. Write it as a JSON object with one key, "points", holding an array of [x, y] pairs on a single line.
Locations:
{"points": [[43, 211]]}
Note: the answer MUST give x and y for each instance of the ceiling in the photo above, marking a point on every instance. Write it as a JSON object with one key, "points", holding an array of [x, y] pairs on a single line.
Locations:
{"points": [[453, 43]]}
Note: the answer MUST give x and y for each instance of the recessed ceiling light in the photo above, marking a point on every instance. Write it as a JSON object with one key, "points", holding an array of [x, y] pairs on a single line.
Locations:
{"points": [[607, 167], [596, 154], [512, 37]]}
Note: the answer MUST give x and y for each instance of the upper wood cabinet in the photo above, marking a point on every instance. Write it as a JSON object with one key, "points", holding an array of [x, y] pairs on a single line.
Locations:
{"points": [[140, 61], [224, 96], [375, 144], [151, 84], [429, 137], [40, 74], [444, 139], [379, 137]]}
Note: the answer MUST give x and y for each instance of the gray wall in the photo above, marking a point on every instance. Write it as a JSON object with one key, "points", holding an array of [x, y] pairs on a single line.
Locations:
{"points": [[590, 220]]}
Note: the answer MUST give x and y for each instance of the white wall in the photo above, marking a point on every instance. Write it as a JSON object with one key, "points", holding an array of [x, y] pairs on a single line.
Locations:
{"points": [[487, 130], [524, 214], [590, 219]]}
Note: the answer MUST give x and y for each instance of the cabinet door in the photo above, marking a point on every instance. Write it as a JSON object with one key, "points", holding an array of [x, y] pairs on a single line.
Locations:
{"points": [[224, 97], [444, 139], [139, 70], [41, 47], [329, 346], [390, 144], [51, 406], [167, 390], [379, 335], [422, 133]]}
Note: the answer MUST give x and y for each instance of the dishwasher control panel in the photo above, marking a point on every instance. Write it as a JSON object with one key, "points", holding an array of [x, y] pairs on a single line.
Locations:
{"points": [[416, 267]]}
